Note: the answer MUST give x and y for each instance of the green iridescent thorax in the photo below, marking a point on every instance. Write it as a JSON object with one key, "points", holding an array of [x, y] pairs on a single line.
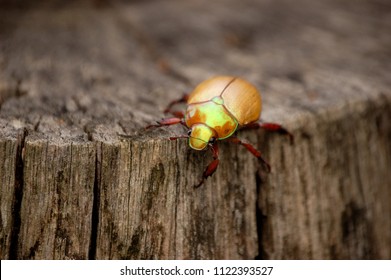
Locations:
{"points": [[214, 115]]}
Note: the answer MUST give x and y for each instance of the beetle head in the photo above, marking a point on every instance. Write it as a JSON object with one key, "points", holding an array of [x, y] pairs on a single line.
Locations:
{"points": [[200, 135]]}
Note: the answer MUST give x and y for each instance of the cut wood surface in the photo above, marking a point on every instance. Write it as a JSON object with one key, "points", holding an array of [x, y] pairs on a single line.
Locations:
{"points": [[81, 178]]}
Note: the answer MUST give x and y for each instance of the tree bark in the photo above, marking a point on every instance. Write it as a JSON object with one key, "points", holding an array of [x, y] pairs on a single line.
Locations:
{"points": [[81, 178]]}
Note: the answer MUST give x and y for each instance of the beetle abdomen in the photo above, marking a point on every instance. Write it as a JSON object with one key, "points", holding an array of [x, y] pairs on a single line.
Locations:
{"points": [[240, 98]]}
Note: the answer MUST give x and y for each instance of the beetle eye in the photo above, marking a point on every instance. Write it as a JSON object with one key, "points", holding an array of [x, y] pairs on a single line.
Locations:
{"points": [[189, 132], [212, 140]]}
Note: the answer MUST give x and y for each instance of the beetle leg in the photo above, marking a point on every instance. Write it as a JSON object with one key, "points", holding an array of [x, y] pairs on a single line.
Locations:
{"points": [[275, 127], [252, 150], [178, 114], [183, 99], [211, 168], [165, 122]]}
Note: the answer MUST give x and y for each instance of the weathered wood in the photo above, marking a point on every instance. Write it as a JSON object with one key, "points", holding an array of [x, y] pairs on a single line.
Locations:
{"points": [[58, 195], [154, 213], [11, 141], [75, 77], [339, 207]]}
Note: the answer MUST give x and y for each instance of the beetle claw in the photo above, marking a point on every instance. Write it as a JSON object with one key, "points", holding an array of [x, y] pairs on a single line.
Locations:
{"points": [[199, 184], [150, 126], [266, 165]]}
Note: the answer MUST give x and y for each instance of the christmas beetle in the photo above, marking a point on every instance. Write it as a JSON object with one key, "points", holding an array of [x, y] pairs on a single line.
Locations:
{"points": [[216, 109]]}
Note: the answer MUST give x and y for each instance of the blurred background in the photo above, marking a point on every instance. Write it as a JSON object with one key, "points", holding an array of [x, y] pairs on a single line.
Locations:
{"points": [[81, 72], [164, 48]]}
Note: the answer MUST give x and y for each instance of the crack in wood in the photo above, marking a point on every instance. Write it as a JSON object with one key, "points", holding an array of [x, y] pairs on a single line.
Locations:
{"points": [[260, 219], [95, 207], [18, 195], [316, 212]]}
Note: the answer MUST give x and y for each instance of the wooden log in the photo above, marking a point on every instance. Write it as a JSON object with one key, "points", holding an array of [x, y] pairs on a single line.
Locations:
{"points": [[82, 179]]}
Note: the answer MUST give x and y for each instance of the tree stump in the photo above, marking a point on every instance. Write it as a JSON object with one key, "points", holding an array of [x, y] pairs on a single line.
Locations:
{"points": [[81, 178]]}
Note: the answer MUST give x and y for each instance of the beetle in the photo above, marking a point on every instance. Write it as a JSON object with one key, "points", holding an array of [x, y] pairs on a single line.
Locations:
{"points": [[216, 109]]}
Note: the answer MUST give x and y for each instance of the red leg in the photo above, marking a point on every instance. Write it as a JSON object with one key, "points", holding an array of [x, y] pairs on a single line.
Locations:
{"points": [[211, 168], [165, 122], [183, 99], [251, 149], [271, 127], [178, 114]]}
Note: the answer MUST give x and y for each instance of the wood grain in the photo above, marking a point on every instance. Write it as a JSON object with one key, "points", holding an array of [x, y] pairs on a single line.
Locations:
{"points": [[80, 177]]}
